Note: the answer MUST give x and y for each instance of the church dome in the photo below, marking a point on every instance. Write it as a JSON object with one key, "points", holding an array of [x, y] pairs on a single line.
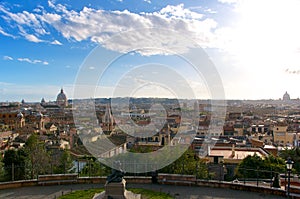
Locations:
{"points": [[61, 99], [286, 96], [43, 101]]}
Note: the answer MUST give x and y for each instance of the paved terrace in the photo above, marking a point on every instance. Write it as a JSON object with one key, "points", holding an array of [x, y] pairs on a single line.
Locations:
{"points": [[188, 192]]}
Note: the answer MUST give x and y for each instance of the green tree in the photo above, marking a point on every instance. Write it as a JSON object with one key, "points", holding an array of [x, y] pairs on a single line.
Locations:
{"points": [[95, 168], [14, 164], [65, 163], [254, 166], [294, 154], [38, 157], [2, 170], [275, 164], [189, 163]]}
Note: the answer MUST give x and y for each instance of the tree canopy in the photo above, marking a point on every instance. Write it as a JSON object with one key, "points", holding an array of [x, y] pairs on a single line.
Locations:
{"points": [[294, 154], [254, 166]]}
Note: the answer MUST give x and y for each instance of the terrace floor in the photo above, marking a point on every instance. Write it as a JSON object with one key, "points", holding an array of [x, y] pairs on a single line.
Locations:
{"points": [[184, 192]]}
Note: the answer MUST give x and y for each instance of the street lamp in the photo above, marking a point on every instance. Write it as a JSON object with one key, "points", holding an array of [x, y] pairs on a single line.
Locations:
{"points": [[289, 166]]}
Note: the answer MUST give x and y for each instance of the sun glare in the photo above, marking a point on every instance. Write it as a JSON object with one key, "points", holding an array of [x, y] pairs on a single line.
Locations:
{"points": [[265, 41]]}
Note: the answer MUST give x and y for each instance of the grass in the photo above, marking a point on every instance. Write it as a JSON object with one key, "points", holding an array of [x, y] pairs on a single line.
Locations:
{"points": [[82, 194], [88, 194], [149, 194]]}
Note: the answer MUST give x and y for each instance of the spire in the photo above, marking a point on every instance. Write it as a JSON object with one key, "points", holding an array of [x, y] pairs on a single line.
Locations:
{"points": [[108, 118]]}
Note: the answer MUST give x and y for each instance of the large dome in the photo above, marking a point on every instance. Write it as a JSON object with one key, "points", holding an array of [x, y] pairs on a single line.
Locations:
{"points": [[61, 99], [286, 96]]}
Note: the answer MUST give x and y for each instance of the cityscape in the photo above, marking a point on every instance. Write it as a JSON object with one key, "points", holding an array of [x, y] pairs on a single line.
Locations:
{"points": [[263, 129], [149, 99]]}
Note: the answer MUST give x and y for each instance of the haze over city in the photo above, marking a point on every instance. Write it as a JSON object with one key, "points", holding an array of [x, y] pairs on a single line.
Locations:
{"points": [[254, 46]]}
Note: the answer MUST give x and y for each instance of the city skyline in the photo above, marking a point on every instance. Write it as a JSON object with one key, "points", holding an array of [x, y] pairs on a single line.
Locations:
{"points": [[254, 45]]}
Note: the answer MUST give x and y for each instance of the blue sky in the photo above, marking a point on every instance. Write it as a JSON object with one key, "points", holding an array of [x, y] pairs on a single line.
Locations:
{"points": [[254, 45]]}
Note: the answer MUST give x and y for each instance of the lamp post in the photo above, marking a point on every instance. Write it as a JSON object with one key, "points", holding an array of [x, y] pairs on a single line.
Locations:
{"points": [[289, 166]]}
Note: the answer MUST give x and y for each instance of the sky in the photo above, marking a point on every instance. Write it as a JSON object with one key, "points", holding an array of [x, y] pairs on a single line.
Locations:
{"points": [[147, 48]]}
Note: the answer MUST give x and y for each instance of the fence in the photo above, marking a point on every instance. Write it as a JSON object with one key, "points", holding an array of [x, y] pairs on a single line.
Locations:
{"points": [[91, 168]]}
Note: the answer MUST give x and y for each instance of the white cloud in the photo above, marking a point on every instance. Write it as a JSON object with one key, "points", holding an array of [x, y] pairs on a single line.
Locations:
{"points": [[179, 12], [7, 58], [55, 42], [35, 61], [5, 33], [100, 26], [5, 84], [209, 10], [32, 38], [26, 19], [147, 1], [39, 9], [229, 1]]}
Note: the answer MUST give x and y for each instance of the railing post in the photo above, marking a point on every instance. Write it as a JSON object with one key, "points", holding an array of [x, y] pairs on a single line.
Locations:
{"points": [[12, 171], [244, 176], [272, 177], [257, 176], [64, 167], [208, 177], [78, 167], [197, 170], [89, 162]]}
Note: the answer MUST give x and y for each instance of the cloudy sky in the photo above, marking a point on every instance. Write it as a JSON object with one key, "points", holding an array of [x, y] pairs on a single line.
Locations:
{"points": [[45, 45]]}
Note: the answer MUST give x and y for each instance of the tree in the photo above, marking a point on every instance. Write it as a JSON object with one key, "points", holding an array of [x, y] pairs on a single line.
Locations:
{"points": [[95, 168], [254, 166], [2, 170], [294, 154], [65, 162], [189, 163], [38, 157], [14, 164]]}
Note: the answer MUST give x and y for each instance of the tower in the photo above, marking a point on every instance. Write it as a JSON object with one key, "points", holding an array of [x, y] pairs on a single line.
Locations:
{"points": [[107, 119], [40, 121], [20, 120]]}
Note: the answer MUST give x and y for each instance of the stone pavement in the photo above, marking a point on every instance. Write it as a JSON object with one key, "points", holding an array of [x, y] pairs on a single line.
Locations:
{"points": [[184, 192]]}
